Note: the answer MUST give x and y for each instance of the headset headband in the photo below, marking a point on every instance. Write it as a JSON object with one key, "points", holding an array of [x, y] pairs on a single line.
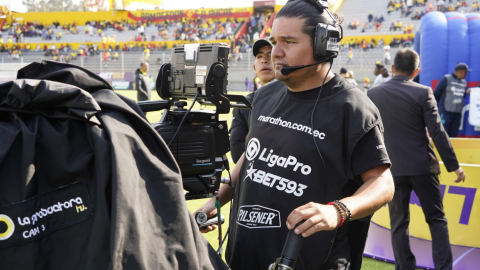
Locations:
{"points": [[323, 6]]}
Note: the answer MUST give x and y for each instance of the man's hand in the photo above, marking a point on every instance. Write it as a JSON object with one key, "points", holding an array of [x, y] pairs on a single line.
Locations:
{"points": [[469, 90], [209, 209], [460, 175], [318, 217]]}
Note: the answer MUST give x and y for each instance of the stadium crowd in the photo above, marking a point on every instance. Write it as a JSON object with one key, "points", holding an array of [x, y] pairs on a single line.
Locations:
{"points": [[410, 10], [355, 43]]}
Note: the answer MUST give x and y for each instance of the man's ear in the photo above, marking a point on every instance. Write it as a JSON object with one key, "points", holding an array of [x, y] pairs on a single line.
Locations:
{"points": [[393, 70], [254, 68], [415, 73]]}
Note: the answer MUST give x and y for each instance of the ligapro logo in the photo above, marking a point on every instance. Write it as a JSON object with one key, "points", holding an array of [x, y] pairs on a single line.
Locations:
{"points": [[5, 234], [253, 148]]}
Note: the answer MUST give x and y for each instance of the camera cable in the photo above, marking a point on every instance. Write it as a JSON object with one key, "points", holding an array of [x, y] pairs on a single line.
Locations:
{"points": [[184, 117]]}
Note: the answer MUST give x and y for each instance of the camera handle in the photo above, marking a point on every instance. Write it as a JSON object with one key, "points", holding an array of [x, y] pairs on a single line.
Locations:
{"points": [[290, 251], [214, 89]]}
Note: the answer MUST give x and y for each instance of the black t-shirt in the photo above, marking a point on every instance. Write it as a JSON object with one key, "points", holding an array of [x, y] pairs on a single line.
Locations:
{"points": [[283, 170], [239, 129]]}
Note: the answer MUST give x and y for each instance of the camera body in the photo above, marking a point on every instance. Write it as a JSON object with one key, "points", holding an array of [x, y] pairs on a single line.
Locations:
{"points": [[202, 140], [200, 149], [190, 64]]}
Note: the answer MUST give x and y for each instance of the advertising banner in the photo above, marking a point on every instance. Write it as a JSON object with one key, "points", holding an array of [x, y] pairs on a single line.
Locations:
{"points": [[121, 85], [116, 76], [148, 2], [474, 116], [160, 15], [118, 80]]}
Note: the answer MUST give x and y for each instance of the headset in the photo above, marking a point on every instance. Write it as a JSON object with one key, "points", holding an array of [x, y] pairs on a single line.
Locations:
{"points": [[327, 37], [326, 42]]}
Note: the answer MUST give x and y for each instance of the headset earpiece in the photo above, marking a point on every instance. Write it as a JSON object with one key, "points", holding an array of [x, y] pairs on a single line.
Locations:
{"points": [[327, 37], [327, 41]]}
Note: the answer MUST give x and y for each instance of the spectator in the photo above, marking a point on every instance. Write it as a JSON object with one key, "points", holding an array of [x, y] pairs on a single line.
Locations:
{"points": [[398, 26], [16, 54], [344, 73], [441, 6], [389, 9], [459, 5], [350, 56], [376, 71], [146, 53], [393, 26], [410, 28], [398, 5], [370, 17], [350, 73], [105, 59], [356, 24], [350, 25], [386, 55]]}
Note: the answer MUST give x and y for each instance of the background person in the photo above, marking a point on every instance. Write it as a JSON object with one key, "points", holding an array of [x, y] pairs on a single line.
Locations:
{"points": [[346, 75], [353, 172], [376, 72], [383, 77], [449, 93], [407, 108], [142, 81], [262, 51]]}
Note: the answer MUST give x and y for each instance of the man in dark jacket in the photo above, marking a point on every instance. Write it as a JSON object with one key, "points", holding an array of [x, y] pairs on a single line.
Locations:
{"points": [[406, 109], [73, 192], [449, 93], [142, 81]]}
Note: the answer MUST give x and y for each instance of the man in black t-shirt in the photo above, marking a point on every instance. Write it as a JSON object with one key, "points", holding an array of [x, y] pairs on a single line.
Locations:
{"points": [[262, 51], [308, 145]]}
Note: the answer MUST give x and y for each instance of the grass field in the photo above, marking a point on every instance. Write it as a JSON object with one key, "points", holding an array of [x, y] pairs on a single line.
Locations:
{"points": [[212, 237]]}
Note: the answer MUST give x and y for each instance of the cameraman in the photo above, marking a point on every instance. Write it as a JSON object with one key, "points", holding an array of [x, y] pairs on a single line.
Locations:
{"points": [[282, 179], [262, 51]]}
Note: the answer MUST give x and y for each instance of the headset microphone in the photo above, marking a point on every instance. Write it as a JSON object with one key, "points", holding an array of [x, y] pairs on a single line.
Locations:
{"points": [[287, 70]]}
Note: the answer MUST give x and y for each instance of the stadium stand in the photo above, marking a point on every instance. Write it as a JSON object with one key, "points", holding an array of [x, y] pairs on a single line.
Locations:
{"points": [[408, 13], [130, 42], [176, 30]]}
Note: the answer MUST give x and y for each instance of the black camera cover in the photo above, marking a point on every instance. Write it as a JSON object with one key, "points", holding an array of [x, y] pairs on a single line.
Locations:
{"points": [[86, 182]]}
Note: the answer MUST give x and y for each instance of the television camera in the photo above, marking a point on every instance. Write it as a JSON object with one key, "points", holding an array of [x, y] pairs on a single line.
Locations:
{"points": [[198, 139]]}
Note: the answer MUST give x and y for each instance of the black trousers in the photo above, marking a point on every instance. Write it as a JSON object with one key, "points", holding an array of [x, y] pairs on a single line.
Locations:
{"points": [[427, 188]]}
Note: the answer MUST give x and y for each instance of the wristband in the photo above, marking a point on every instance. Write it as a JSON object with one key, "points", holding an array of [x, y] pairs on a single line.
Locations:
{"points": [[339, 209], [347, 211]]}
